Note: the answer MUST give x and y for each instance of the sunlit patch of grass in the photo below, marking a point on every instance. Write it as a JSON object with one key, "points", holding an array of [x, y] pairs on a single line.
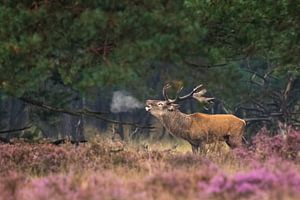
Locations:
{"points": [[176, 145]]}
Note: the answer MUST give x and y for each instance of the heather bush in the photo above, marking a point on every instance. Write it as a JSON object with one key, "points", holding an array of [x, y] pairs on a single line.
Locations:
{"points": [[184, 160], [285, 146], [208, 181], [34, 158], [179, 183], [64, 187], [259, 183], [10, 186], [107, 169], [72, 187], [175, 184]]}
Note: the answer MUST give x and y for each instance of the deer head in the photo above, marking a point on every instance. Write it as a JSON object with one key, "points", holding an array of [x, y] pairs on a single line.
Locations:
{"points": [[161, 107]]}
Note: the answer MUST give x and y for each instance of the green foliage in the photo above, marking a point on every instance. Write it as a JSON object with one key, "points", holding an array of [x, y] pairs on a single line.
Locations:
{"points": [[83, 44], [266, 29]]}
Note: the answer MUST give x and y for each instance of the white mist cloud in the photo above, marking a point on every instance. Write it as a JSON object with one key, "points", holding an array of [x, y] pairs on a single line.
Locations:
{"points": [[123, 102]]}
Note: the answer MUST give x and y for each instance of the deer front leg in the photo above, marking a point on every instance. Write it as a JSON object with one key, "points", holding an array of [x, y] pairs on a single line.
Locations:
{"points": [[195, 147]]}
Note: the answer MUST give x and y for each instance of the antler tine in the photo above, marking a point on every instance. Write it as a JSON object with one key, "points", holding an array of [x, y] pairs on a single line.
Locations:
{"points": [[167, 86], [200, 98], [191, 93], [179, 90]]}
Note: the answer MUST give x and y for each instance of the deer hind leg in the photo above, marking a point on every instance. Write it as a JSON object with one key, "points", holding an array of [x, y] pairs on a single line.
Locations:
{"points": [[233, 141]]}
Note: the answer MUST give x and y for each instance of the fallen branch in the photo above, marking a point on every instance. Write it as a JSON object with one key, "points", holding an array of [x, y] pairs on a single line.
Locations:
{"points": [[4, 140], [64, 141]]}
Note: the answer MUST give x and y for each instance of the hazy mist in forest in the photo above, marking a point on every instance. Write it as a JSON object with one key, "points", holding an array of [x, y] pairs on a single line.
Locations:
{"points": [[123, 102]]}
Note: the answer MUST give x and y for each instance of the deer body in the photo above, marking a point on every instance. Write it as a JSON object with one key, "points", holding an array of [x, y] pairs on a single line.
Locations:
{"points": [[198, 128]]}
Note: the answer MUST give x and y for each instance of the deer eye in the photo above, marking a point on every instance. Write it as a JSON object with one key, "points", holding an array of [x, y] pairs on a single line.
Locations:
{"points": [[160, 104]]}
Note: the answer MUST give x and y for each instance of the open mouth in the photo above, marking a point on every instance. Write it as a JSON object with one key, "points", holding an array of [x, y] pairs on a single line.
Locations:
{"points": [[148, 108]]}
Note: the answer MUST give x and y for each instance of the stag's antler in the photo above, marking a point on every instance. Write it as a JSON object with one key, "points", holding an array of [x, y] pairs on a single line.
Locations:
{"points": [[165, 94], [193, 93], [199, 96], [167, 86], [177, 98]]}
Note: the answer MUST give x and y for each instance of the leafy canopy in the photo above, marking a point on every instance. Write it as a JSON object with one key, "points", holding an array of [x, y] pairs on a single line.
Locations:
{"points": [[82, 44]]}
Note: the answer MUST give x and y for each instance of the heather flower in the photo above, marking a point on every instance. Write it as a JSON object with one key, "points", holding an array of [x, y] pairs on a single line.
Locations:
{"points": [[218, 184], [285, 146], [10, 186], [96, 170], [253, 183]]}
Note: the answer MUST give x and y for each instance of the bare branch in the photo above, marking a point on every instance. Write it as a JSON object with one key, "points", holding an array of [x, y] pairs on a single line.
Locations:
{"points": [[288, 88], [83, 112], [263, 109], [15, 130], [249, 109], [204, 64], [256, 74], [257, 119]]}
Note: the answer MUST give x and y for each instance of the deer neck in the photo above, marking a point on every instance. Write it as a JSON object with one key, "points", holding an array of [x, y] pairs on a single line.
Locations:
{"points": [[177, 123]]}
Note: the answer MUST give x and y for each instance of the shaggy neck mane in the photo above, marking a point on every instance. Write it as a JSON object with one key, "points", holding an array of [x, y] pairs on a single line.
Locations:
{"points": [[176, 122]]}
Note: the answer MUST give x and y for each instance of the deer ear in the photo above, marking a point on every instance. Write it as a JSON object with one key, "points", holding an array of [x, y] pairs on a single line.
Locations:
{"points": [[173, 107]]}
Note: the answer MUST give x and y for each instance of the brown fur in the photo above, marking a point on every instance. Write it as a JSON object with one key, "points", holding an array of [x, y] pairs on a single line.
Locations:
{"points": [[198, 128]]}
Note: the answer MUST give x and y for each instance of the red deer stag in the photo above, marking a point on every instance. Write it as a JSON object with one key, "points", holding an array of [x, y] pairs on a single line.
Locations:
{"points": [[197, 128]]}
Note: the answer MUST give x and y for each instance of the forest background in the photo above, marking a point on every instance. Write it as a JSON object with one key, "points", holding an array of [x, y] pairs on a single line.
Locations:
{"points": [[79, 68]]}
